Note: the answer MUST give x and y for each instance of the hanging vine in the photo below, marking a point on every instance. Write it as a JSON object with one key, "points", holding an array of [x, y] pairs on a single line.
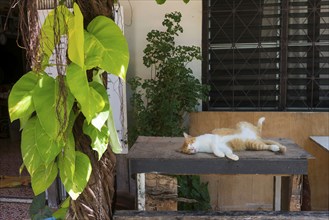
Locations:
{"points": [[66, 120]]}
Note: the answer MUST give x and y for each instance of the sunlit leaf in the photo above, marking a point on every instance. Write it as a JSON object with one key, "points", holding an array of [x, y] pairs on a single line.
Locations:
{"points": [[20, 102], [90, 100], [47, 32], [106, 47], [102, 116], [43, 177], [47, 106], [66, 162], [23, 121], [76, 37], [31, 156], [47, 147], [99, 139], [81, 175]]}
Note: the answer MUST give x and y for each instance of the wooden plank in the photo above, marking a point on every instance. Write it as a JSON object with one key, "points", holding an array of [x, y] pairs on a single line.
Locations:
{"points": [[159, 154], [137, 215]]}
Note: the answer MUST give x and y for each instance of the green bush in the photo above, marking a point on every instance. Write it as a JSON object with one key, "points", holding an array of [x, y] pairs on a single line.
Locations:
{"points": [[161, 103]]}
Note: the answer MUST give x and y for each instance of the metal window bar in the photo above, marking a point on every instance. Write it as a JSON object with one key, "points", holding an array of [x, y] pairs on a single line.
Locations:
{"points": [[266, 54]]}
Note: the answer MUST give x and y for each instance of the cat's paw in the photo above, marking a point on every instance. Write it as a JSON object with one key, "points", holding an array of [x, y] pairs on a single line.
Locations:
{"points": [[233, 157], [275, 148]]}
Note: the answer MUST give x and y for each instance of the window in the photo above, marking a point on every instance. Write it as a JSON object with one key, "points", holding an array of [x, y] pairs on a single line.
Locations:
{"points": [[266, 55]]}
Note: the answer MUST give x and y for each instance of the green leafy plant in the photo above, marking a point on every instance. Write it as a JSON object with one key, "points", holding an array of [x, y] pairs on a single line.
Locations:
{"points": [[160, 2], [162, 102], [38, 209], [48, 107]]}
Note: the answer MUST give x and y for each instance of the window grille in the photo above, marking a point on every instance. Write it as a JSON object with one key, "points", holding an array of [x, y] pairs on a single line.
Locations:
{"points": [[266, 54]]}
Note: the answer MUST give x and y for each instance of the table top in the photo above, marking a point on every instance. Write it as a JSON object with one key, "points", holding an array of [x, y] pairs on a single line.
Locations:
{"points": [[323, 141], [160, 155]]}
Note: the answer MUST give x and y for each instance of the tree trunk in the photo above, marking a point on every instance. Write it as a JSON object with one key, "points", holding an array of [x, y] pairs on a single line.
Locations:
{"points": [[95, 202]]}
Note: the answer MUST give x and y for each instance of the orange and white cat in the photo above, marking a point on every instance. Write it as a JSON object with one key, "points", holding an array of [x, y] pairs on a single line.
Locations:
{"points": [[223, 141]]}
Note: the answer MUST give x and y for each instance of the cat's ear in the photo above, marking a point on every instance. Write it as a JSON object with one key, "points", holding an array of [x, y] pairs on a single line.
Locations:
{"points": [[186, 135]]}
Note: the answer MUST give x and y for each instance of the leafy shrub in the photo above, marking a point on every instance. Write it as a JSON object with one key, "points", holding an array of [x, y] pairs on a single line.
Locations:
{"points": [[162, 102]]}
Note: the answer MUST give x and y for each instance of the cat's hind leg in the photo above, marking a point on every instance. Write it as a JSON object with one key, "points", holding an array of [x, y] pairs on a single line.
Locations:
{"points": [[275, 146]]}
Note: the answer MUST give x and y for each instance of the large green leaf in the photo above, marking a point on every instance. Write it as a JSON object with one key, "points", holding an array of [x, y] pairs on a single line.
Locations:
{"points": [[104, 134], [31, 156], [76, 37], [47, 147], [20, 102], [106, 47], [66, 162], [23, 121], [45, 98], [99, 139], [102, 116], [49, 31], [81, 175], [61, 213], [43, 177], [160, 2], [91, 102]]}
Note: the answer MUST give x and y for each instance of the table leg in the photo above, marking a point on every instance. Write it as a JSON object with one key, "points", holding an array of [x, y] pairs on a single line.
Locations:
{"points": [[295, 192], [141, 191], [306, 195], [277, 193]]}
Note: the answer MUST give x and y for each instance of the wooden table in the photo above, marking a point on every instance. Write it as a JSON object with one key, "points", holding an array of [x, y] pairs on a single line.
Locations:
{"points": [[160, 155]]}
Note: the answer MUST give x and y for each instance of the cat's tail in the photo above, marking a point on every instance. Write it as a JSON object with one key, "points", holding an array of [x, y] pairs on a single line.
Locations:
{"points": [[260, 124]]}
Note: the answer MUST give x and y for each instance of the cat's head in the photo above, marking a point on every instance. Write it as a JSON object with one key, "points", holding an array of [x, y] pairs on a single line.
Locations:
{"points": [[187, 147]]}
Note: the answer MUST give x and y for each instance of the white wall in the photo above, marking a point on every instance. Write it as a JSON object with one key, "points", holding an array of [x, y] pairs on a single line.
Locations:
{"points": [[142, 16]]}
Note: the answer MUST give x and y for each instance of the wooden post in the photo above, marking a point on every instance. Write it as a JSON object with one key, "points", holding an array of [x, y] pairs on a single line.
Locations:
{"points": [[161, 192], [295, 191], [277, 193]]}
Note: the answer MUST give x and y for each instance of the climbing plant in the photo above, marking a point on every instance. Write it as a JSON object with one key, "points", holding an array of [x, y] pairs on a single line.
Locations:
{"points": [[48, 107]]}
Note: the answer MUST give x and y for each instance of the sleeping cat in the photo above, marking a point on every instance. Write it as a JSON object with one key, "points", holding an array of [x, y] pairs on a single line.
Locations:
{"points": [[223, 141]]}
